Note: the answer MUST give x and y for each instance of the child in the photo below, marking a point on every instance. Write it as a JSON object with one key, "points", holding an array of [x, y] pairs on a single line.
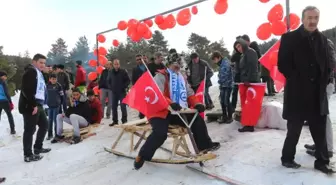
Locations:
{"points": [[6, 101], [225, 81], [96, 107], [78, 115], [54, 101]]}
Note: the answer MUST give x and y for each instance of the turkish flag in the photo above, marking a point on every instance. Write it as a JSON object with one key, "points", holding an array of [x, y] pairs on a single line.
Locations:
{"points": [[145, 96], [200, 95], [251, 98], [270, 60]]}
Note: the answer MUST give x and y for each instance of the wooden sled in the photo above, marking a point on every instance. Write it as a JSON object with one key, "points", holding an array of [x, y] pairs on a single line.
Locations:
{"points": [[141, 128], [84, 133]]}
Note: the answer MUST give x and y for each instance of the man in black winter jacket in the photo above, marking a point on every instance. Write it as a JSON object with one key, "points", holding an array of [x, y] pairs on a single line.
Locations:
{"points": [[235, 59], [157, 64], [105, 92], [31, 101], [118, 81], [137, 72]]}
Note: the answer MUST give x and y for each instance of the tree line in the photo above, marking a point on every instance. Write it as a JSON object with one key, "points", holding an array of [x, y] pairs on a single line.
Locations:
{"points": [[125, 52]]}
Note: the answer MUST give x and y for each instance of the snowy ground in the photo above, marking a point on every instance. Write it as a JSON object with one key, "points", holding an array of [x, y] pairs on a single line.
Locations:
{"points": [[253, 158]]}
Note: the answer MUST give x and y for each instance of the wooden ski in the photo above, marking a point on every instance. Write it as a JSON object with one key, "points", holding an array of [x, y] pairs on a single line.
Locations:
{"points": [[214, 175], [198, 159]]}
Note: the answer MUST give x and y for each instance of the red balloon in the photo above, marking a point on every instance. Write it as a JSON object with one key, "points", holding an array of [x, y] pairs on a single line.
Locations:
{"points": [[115, 43], [294, 21], [194, 10], [264, 1], [149, 22], [264, 31], [221, 6], [122, 25], [101, 38], [142, 28], [148, 34], [102, 51], [274, 58], [95, 52], [100, 69], [276, 13], [183, 17], [135, 37], [133, 23], [279, 28], [170, 21], [159, 19], [92, 76], [102, 60], [93, 63]]}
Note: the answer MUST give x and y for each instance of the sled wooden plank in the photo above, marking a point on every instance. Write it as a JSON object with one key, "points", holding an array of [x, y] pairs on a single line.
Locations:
{"points": [[184, 111], [135, 122], [198, 159], [219, 113]]}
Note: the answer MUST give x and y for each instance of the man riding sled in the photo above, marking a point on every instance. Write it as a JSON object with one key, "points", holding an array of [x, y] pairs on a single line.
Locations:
{"points": [[178, 94]]}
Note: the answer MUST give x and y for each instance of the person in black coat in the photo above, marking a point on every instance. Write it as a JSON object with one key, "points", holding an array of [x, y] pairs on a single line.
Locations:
{"points": [[118, 81], [137, 71], [157, 64], [304, 61], [235, 59], [105, 92], [31, 101]]}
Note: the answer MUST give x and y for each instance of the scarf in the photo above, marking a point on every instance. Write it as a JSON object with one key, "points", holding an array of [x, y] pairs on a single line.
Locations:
{"points": [[177, 88], [40, 87]]}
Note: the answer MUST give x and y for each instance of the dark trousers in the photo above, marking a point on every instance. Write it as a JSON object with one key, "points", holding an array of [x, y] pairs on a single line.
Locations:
{"points": [[5, 106], [52, 114], [160, 130], [64, 106], [268, 81], [207, 99], [30, 121], [116, 98], [317, 126], [234, 100], [225, 94]]}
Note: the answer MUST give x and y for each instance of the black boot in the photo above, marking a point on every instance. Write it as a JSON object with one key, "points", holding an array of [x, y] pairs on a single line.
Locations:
{"points": [[309, 147], [312, 153], [138, 162], [76, 140], [42, 150], [291, 164], [112, 124], [2, 179], [246, 129], [32, 158], [13, 132], [324, 169], [57, 139]]}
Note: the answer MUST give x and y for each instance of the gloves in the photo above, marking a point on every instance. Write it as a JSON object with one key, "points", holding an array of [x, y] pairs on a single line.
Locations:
{"points": [[200, 107], [175, 106], [11, 106]]}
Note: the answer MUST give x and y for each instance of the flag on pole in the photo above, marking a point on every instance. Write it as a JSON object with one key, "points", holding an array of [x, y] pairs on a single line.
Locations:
{"points": [[200, 95]]}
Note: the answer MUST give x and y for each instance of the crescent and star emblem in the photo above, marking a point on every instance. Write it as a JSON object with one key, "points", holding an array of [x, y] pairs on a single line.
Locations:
{"points": [[253, 91], [147, 99]]}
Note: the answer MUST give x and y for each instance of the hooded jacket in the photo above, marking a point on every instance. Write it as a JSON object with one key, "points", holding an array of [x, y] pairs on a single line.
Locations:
{"points": [[248, 64], [27, 99], [96, 111], [4, 95], [81, 108], [80, 77]]}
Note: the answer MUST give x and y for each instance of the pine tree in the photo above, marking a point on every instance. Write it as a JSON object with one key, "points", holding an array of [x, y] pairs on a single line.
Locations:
{"points": [[58, 53], [158, 43]]}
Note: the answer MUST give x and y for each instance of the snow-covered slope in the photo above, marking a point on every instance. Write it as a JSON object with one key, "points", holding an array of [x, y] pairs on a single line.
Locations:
{"points": [[253, 158]]}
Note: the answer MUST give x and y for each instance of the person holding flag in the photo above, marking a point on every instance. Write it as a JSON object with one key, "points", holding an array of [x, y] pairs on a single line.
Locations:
{"points": [[154, 96], [225, 81]]}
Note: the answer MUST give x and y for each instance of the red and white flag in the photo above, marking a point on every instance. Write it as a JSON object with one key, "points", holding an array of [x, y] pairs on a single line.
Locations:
{"points": [[145, 96], [200, 95], [251, 98]]}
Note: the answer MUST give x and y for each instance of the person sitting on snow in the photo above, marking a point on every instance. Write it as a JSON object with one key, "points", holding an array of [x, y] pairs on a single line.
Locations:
{"points": [[161, 120], [96, 107], [78, 115]]}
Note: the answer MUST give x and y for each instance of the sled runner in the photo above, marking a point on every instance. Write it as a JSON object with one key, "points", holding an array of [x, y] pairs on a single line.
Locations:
{"points": [[141, 128]]}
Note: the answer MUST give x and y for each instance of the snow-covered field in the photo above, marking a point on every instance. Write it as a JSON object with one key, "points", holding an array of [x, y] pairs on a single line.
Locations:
{"points": [[253, 158]]}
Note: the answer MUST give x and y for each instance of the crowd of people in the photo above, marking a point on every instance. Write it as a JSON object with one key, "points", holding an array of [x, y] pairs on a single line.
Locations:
{"points": [[306, 59]]}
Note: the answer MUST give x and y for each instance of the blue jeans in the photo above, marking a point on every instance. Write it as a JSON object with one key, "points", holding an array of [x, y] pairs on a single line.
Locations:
{"points": [[225, 94], [52, 114]]}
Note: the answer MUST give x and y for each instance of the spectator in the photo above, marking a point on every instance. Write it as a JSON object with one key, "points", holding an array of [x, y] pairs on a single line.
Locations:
{"points": [[80, 81], [157, 64], [235, 59], [63, 79], [95, 106], [105, 92], [137, 72], [6, 102]]}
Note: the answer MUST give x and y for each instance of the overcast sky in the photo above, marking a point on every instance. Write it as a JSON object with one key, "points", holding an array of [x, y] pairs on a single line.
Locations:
{"points": [[34, 25]]}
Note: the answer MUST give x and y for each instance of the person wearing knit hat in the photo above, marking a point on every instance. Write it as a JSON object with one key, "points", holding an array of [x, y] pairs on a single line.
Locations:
{"points": [[80, 81], [6, 101]]}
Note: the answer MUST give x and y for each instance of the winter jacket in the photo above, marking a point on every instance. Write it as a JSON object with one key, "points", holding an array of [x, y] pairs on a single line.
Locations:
{"points": [[332, 51], [162, 81], [137, 72], [71, 78], [225, 75], [96, 111], [118, 81], [63, 79], [102, 83], [209, 73], [91, 85], [55, 95], [81, 108], [236, 59], [248, 65], [4, 95], [27, 99], [80, 77], [153, 67]]}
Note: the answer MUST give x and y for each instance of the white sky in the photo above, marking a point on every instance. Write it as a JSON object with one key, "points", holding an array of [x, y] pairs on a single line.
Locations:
{"points": [[34, 25]]}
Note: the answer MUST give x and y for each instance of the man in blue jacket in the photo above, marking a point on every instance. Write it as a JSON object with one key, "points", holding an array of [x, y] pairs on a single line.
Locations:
{"points": [[5, 101]]}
